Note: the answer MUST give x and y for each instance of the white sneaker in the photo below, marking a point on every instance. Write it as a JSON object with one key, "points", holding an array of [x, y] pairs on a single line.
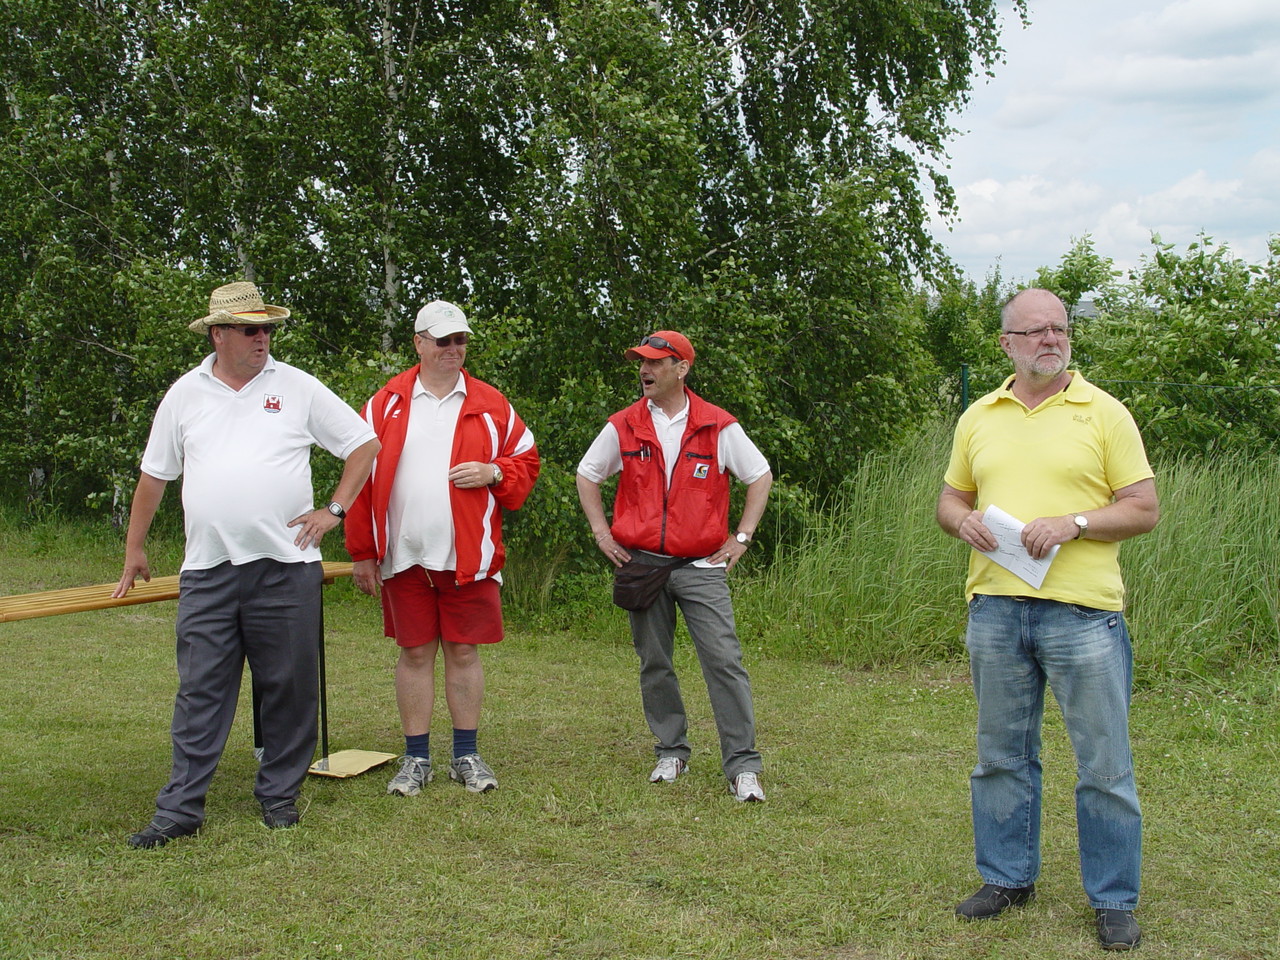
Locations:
{"points": [[414, 772], [473, 773], [667, 770], [746, 787]]}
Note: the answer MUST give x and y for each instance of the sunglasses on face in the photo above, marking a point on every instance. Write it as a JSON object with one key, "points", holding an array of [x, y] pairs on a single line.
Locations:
{"points": [[458, 339], [267, 328]]}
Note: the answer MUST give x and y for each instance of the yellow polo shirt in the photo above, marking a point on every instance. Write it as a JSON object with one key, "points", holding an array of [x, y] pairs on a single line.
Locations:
{"points": [[1067, 455]]}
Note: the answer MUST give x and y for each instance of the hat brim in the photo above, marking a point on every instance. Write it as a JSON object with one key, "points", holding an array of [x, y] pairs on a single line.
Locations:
{"points": [[445, 328], [224, 319], [651, 353]]}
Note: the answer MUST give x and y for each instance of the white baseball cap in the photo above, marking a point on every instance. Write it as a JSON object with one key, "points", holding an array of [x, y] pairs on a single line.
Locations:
{"points": [[440, 318]]}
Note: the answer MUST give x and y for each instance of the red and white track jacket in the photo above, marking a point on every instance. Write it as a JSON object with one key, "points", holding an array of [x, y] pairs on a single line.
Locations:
{"points": [[490, 431]]}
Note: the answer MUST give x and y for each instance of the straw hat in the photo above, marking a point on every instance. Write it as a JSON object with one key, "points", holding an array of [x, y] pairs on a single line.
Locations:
{"points": [[237, 304]]}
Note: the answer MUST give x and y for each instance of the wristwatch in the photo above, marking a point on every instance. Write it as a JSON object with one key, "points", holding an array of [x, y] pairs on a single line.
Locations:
{"points": [[337, 509], [742, 538], [497, 474], [1082, 524]]}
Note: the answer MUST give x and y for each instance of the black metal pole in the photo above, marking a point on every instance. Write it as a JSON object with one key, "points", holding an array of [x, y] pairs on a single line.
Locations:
{"points": [[324, 697]]}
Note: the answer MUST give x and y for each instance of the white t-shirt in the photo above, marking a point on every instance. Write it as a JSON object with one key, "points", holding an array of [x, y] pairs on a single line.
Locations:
{"points": [[245, 458], [419, 517], [734, 450]]}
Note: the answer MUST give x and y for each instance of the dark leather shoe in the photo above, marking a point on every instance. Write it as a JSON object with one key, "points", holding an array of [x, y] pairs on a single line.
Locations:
{"points": [[157, 833], [281, 815], [991, 901], [1118, 930]]}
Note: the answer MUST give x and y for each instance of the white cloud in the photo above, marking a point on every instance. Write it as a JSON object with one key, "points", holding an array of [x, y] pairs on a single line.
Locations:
{"points": [[1205, 27], [1120, 120], [1179, 82]]}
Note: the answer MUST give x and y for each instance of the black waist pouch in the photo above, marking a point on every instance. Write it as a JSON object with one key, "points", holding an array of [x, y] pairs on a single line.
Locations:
{"points": [[636, 585]]}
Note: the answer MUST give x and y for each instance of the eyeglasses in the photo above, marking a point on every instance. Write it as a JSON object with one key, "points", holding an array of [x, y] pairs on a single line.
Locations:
{"points": [[460, 339], [267, 328], [1037, 333]]}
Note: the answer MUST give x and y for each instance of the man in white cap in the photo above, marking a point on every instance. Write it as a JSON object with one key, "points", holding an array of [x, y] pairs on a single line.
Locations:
{"points": [[239, 430], [426, 535]]}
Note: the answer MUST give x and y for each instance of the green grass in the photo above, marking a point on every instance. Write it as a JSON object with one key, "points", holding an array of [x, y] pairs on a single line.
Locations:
{"points": [[865, 721], [860, 852]]}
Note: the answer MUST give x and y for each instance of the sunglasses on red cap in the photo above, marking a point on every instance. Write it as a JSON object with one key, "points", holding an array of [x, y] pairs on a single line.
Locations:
{"points": [[661, 344]]}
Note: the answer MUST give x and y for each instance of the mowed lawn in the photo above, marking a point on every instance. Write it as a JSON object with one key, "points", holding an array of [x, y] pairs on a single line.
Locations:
{"points": [[861, 850]]}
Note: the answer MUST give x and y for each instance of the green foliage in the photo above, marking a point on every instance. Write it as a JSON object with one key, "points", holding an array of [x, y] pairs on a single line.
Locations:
{"points": [[577, 173], [1186, 340], [962, 328], [1204, 322], [1082, 270]]}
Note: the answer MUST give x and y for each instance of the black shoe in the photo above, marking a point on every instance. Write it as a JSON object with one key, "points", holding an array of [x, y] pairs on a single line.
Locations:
{"points": [[991, 901], [1118, 930], [157, 833], [282, 815]]}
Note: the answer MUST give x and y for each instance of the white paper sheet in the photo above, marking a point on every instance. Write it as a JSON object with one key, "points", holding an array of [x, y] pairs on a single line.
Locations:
{"points": [[1009, 552]]}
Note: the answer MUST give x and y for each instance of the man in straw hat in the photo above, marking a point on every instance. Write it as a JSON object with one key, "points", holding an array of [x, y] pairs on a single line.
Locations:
{"points": [[676, 452], [426, 535], [238, 429]]}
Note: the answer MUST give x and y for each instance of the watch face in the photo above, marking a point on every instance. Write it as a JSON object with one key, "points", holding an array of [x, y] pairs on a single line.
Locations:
{"points": [[336, 509]]}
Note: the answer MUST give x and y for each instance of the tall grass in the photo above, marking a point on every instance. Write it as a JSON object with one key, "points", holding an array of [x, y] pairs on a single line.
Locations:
{"points": [[871, 579]]}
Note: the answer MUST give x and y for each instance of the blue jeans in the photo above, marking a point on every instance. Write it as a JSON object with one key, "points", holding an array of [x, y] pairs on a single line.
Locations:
{"points": [[1085, 655]]}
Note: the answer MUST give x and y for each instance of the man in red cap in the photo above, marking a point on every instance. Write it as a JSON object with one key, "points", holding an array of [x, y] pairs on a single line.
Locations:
{"points": [[675, 452]]}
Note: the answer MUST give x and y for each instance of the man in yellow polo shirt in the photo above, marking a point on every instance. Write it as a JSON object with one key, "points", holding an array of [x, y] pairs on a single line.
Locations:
{"points": [[1066, 459]]}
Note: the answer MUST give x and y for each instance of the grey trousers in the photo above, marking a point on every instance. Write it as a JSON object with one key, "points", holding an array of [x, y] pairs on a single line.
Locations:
{"points": [[264, 612], [702, 595]]}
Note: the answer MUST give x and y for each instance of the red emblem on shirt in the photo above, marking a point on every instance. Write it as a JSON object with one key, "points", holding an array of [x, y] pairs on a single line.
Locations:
{"points": [[272, 403]]}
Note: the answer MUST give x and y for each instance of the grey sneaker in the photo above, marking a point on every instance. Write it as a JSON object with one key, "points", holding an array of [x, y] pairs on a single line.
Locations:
{"points": [[473, 773], [746, 788], [414, 772], [668, 769]]}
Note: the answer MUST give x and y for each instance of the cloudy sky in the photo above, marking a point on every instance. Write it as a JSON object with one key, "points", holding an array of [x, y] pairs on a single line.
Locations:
{"points": [[1120, 119]]}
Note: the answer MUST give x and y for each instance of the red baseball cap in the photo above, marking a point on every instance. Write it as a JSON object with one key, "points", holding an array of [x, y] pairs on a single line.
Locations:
{"points": [[663, 343]]}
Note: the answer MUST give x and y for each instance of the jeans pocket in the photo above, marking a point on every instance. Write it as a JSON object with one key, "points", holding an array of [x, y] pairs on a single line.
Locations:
{"points": [[1090, 614]]}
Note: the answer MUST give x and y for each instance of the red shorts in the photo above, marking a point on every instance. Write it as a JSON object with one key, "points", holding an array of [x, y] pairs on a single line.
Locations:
{"points": [[419, 606]]}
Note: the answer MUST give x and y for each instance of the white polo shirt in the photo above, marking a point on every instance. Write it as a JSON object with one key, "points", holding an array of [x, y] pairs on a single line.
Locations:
{"points": [[419, 515], [245, 458]]}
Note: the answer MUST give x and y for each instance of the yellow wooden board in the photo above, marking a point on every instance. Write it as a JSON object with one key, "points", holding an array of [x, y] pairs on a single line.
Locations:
{"points": [[349, 763], [49, 603]]}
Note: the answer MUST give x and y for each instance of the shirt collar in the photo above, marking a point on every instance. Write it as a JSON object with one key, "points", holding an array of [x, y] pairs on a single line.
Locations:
{"points": [[206, 367], [420, 391], [1079, 390], [655, 410]]}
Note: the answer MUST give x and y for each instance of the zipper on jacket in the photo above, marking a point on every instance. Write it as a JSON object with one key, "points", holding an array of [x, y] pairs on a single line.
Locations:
{"points": [[666, 488]]}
